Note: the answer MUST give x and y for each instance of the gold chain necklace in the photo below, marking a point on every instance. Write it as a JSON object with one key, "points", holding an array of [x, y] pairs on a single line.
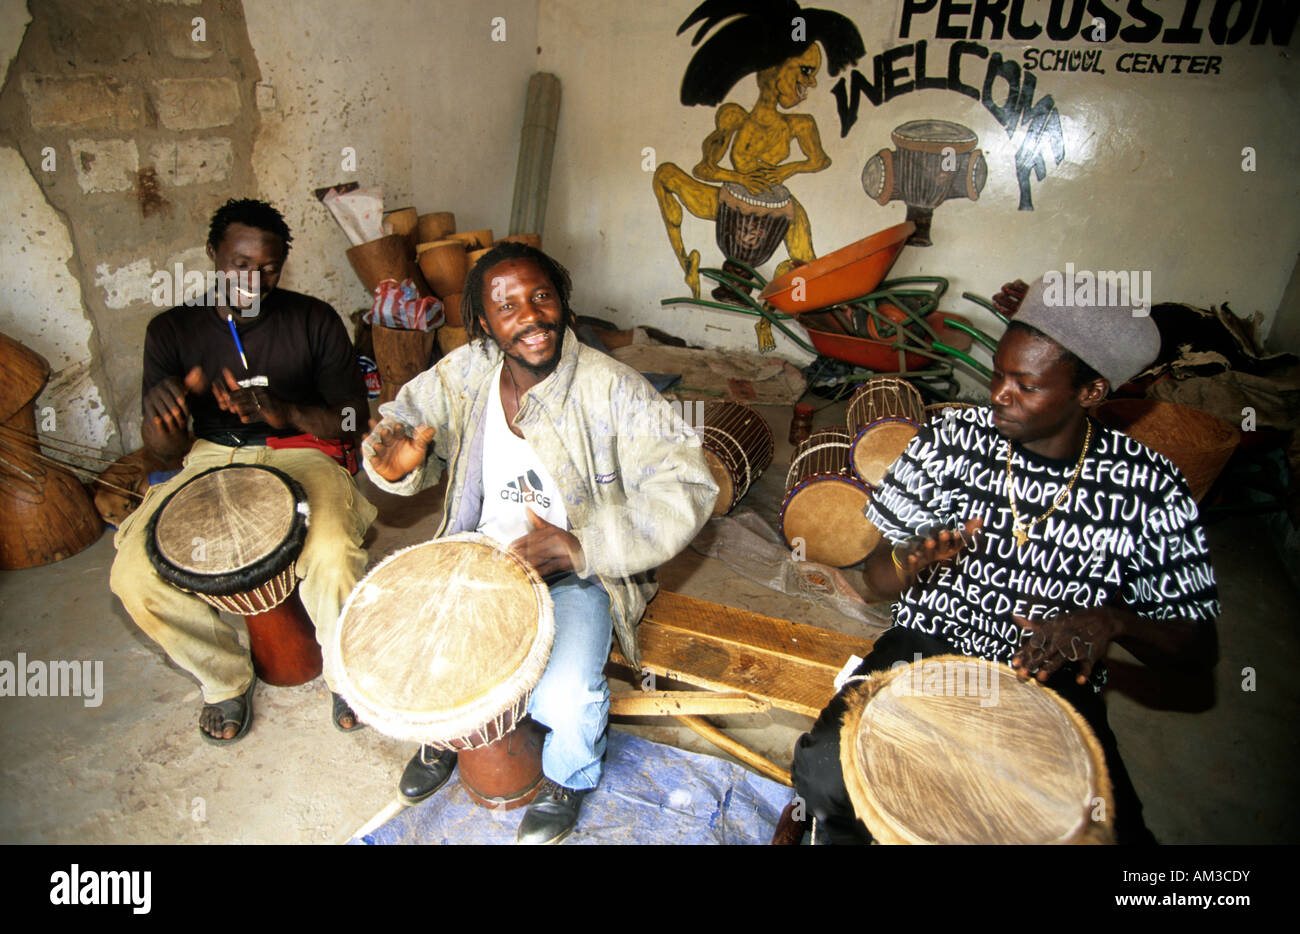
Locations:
{"points": [[1019, 528]]}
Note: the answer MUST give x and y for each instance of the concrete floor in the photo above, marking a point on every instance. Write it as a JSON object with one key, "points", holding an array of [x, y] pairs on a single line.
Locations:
{"points": [[1213, 763]]}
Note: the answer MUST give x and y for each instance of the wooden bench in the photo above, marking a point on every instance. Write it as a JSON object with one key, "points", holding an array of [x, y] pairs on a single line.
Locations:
{"points": [[748, 663]]}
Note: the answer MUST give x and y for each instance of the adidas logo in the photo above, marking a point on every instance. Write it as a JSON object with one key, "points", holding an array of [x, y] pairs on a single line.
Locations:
{"points": [[526, 488]]}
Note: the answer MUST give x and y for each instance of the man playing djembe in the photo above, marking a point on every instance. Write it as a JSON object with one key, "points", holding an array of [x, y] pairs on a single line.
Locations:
{"points": [[574, 461], [1028, 533], [308, 402]]}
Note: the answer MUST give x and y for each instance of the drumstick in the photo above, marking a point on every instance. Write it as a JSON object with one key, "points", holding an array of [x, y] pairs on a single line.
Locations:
{"points": [[234, 332], [740, 751]]}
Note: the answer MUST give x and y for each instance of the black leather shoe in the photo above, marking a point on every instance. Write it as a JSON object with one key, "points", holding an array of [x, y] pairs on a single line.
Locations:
{"points": [[427, 771], [552, 815]]}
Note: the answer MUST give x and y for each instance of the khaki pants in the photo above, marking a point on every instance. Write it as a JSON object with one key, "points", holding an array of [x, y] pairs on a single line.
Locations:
{"points": [[189, 630]]}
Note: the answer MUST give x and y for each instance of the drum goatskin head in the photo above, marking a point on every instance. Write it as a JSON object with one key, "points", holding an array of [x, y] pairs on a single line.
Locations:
{"points": [[878, 447], [827, 514], [225, 520], [441, 637], [958, 750]]}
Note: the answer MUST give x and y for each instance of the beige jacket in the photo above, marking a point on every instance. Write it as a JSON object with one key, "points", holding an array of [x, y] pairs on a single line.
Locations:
{"points": [[632, 475]]}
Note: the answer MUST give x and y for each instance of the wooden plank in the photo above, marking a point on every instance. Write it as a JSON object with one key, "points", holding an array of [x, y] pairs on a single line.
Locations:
{"points": [[671, 703], [753, 630], [789, 683]]}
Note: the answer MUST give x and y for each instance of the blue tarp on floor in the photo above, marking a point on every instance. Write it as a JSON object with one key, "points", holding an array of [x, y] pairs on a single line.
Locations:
{"points": [[649, 794]]}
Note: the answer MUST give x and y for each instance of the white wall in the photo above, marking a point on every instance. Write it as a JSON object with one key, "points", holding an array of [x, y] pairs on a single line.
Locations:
{"points": [[429, 101], [1152, 177], [432, 105], [40, 298]]}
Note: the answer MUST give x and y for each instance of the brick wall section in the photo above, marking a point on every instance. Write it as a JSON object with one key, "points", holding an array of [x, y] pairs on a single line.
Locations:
{"points": [[151, 131]]}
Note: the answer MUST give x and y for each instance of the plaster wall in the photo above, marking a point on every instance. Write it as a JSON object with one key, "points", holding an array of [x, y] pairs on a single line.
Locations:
{"points": [[40, 297], [133, 122], [156, 112], [424, 94], [1152, 177]]}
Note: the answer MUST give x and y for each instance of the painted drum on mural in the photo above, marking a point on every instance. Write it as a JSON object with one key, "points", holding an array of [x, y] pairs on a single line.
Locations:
{"points": [[751, 225], [932, 161]]}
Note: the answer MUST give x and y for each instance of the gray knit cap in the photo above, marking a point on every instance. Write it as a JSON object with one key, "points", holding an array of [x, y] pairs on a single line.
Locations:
{"points": [[1113, 334]]}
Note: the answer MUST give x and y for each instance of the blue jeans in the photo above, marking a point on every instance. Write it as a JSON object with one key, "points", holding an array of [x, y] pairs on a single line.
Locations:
{"points": [[572, 698]]}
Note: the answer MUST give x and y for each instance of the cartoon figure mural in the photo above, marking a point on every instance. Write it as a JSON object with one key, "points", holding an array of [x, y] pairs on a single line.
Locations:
{"points": [[782, 44]]}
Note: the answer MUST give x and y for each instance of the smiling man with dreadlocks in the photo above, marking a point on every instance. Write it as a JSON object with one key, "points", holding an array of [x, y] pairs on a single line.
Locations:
{"points": [[618, 486]]}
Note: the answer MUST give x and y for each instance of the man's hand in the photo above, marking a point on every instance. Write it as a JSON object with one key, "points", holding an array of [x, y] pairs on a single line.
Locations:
{"points": [[252, 404], [396, 449], [1082, 637], [548, 548], [165, 405], [921, 551]]}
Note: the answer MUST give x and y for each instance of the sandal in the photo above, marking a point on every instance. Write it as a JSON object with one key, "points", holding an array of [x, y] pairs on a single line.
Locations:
{"points": [[237, 710], [342, 709]]}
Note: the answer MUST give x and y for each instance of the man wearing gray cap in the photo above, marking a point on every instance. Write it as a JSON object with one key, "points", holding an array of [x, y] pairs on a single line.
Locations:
{"points": [[1025, 532]]}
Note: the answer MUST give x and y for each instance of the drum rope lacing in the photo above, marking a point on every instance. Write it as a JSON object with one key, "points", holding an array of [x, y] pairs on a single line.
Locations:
{"points": [[739, 447], [503, 723], [789, 474], [263, 598]]}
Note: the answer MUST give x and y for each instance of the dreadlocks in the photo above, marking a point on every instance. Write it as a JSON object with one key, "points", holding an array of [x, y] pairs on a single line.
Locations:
{"points": [[472, 311], [762, 36]]}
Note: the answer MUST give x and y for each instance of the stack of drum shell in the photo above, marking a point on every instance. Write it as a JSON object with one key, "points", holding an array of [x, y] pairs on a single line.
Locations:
{"points": [[427, 249]]}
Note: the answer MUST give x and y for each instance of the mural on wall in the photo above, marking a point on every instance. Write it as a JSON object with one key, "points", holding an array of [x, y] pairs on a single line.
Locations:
{"points": [[931, 162], [1008, 89], [753, 212]]}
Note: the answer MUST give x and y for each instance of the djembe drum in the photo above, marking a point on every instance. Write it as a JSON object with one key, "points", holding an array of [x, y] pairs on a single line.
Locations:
{"points": [[958, 750], [824, 502], [442, 643], [737, 446], [882, 416], [749, 227], [231, 536], [933, 160]]}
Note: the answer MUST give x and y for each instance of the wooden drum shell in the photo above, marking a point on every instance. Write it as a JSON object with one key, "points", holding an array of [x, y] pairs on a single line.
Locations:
{"points": [[824, 502], [738, 447], [282, 642], [507, 773]]}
